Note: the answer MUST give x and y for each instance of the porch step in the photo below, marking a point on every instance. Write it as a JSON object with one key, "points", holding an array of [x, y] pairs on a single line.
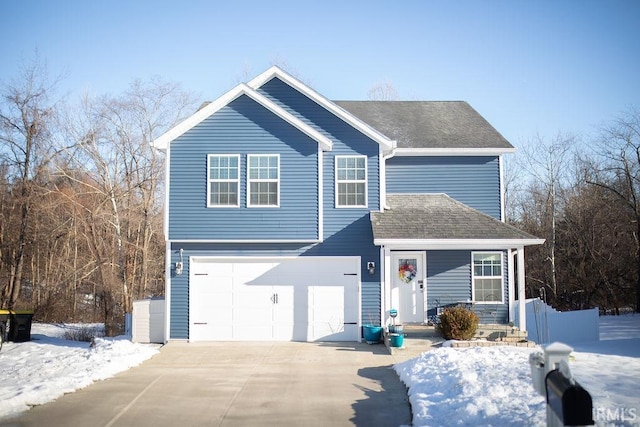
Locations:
{"points": [[497, 332], [421, 338]]}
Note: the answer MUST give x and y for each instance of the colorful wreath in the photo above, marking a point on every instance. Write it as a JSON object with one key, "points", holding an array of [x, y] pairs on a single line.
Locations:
{"points": [[407, 272]]}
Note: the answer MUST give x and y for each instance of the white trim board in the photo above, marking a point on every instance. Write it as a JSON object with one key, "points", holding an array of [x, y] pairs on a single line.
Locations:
{"points": [[417, 152], [476, 244]]}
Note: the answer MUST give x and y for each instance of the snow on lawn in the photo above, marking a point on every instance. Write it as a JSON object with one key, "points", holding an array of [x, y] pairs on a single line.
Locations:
{"points": [[48, 366], [492, 385]]}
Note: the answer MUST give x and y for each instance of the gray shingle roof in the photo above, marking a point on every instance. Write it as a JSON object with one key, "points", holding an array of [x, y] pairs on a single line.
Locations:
{"points": [[428, 124], [438, 216]]}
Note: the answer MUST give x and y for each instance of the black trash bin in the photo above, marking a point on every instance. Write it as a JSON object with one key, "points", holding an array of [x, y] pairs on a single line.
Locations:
{"points": [[20, 325], [4, 318]]}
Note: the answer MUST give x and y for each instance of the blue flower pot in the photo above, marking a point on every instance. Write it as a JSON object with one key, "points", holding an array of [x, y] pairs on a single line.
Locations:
{"points": [[372, 333], [396, 340]]}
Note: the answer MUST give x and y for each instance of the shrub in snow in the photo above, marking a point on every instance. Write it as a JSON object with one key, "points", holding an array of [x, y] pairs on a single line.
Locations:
{"points": [[457, 323], [82, 333]]}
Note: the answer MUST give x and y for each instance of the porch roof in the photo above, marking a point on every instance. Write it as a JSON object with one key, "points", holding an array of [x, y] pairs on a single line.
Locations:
{"points": [[437, 220]]}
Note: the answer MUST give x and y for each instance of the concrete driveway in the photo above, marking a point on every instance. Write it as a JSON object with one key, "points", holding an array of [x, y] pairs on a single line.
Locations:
{"points": [[241, 384]]}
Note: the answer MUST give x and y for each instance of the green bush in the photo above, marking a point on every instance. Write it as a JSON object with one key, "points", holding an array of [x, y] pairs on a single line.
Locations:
{"points": [[457, 323]]}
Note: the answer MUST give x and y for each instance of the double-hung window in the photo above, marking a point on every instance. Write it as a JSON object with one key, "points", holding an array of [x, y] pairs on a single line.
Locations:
{"points": [[263, 173], [223, 180], [488, 277], [351, 181]]}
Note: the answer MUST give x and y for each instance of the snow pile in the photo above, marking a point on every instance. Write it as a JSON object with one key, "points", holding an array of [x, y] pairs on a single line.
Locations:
{"points": [[41, 370], [492, 385], [472, 386]]}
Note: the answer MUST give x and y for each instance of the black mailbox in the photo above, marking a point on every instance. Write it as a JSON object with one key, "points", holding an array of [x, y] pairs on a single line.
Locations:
{"points": [[570, 402]]}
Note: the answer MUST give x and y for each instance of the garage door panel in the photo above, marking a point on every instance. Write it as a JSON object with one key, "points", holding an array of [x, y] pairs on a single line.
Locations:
{"points": [[301, 299]]}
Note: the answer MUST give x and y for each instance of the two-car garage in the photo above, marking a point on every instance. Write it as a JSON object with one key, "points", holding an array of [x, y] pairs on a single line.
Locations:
{"points": [[276, 298]]}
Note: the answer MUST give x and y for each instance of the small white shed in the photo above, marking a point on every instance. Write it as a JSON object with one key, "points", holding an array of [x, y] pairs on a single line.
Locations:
{"points": [[147, 325]]}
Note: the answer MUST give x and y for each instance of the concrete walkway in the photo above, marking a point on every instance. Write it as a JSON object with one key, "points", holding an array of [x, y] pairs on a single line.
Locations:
{"points": [[241, 384]]}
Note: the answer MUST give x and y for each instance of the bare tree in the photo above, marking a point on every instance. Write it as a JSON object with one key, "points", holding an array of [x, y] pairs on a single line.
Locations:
{"points": [[114, 163], [547, 162], [383, 91], [27, 115], [619, 173]]}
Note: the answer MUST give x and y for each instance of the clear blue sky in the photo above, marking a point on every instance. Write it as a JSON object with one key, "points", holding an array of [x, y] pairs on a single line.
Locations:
{"points": [[534, 67]]}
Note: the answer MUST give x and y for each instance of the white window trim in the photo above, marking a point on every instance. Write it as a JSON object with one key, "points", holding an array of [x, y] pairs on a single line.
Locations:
{"points": [[365, 181], [249, 180], [209, 180], [501, 277]]}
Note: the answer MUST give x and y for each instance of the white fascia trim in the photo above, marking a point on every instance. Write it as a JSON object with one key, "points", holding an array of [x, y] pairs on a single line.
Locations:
{"points": [[324, 102], [167, 293], [413, 152], [434, 244], [309, 241], [163, 141]]}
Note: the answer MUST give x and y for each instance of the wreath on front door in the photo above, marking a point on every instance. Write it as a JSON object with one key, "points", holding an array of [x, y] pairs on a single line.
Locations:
{"points": [[407, 272]]}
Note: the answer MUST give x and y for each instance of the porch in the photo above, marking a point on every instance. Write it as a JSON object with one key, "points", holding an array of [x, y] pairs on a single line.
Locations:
{"points": [[421, 338]]}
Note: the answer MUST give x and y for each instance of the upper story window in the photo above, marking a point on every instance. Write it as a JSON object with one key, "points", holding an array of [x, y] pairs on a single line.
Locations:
{"points": [[488, 277], [223, 180], [351, 181], [263, 180]]}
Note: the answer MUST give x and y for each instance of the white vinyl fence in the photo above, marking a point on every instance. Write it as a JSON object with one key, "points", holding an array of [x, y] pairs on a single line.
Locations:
{"points": [[546, 324]]}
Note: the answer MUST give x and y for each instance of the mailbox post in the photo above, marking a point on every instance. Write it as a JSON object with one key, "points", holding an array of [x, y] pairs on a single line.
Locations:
{"points": [[567, 402]]}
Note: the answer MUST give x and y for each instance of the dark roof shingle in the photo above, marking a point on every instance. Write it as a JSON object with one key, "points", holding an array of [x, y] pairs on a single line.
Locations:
{"points": [[428, 124], [438, 216]]}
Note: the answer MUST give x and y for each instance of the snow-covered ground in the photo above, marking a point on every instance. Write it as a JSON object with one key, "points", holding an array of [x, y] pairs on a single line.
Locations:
{"points": [[492, 385], [447, 386], [48, 366]]}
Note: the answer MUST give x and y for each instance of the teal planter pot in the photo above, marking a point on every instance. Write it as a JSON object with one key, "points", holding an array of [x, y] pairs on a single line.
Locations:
{"points": [[396, 340], [372, 333]]}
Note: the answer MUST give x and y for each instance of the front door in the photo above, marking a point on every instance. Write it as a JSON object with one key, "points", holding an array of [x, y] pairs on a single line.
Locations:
{"points": [[408, 288]]}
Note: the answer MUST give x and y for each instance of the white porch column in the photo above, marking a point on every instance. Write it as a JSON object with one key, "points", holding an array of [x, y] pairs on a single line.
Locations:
{"points": [[386, 285], [512, 285], [522, 315]]}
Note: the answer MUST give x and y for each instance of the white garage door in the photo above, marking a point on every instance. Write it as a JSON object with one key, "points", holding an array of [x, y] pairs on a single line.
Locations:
{"points": [[287, 299]]}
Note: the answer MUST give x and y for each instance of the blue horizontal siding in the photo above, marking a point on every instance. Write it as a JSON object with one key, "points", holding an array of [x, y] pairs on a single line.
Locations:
{"points": [[243, 127], [474, 181], [448, 278], [449, 282], [347, 231]]}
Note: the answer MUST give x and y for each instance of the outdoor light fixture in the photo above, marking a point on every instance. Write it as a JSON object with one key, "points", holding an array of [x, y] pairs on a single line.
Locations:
{"points": [[371, 266], [179, 264]]}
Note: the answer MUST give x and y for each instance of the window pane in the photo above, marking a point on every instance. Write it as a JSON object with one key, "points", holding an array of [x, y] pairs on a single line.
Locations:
{"points": [[264, 193], [488, 290], [351, 180], [223, 194]]}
